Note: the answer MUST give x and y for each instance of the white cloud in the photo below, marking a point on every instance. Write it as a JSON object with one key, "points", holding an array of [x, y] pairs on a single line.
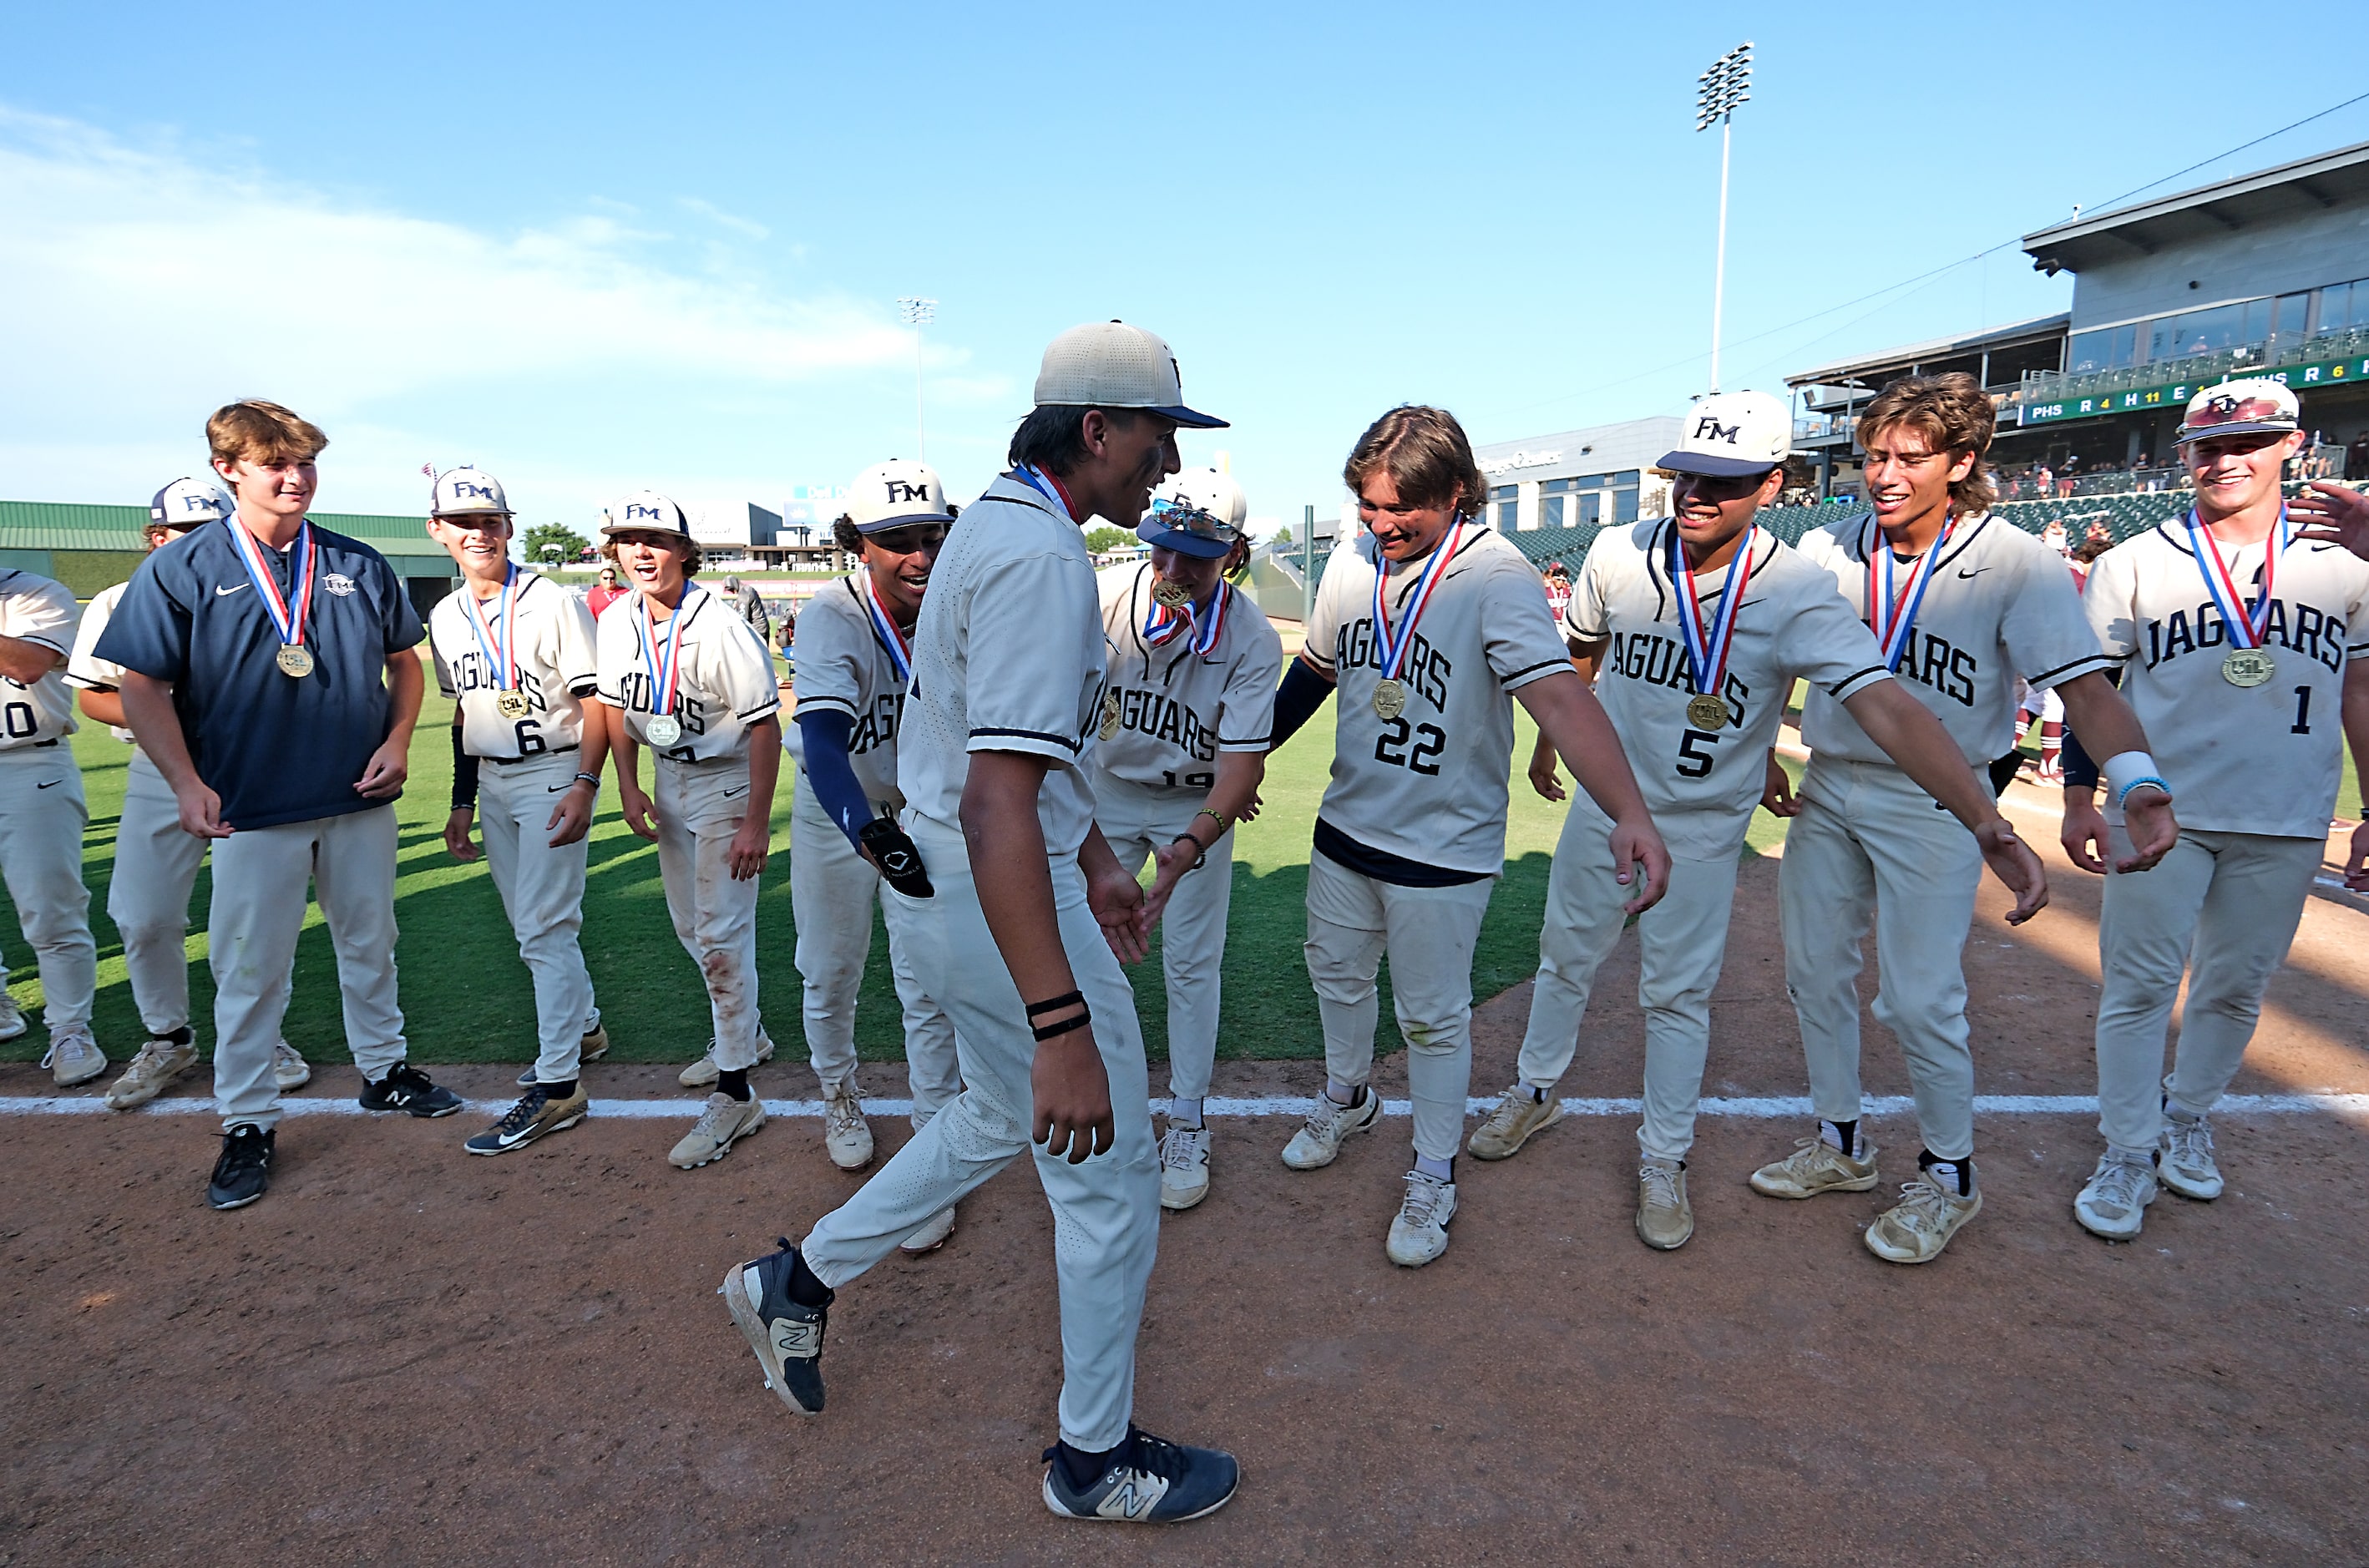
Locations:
{"points": [[718, 215]]}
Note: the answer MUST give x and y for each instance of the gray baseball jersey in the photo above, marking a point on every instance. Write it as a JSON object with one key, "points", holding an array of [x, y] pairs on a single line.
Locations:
{"points": [[1701, 785], [842, 666], [1999, 604], [1008, 657], [724, 677], [1429, 784], [36, 610], [84, 669], [2264, 759], [556, 667], [1168, 711]]}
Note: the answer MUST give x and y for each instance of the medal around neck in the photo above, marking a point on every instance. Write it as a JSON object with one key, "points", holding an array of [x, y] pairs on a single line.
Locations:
{"points": [[512, 705], [1389, 699], [1706, 712], [1110, 716], [660, 652], [1707, 647], [2247, 666], [2247, 662], [664, 731], [293, 659], [286, 618], [1170, 595], [1390, 691]]}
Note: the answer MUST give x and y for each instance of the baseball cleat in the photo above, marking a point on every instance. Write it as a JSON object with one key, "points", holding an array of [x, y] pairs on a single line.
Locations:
{"points": [[2113, 1202], [1665, 1218], [594, 1046], [786, 1336], [1317, 1144], [931, 1235], [406, 1089], [288, 1070], [2188, 1167], [1183, 1166], [1916, 1229], [243, 1171], [535, 1114], [846, 1135], [160, 1061], [702, 1074], [1516, 1119], [12, 1020], [73, 1057], [1816, 1166], [724, 1123], [1145, 1481], [1419, 1231]]}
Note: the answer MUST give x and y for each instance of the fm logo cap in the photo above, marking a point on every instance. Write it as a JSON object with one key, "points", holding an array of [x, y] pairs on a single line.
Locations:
{"points": [[1200, 513], [467, 492], [185, 503], [644, 512], [2241, 407], [1729, 435], [1108, 365], [896, 494]]}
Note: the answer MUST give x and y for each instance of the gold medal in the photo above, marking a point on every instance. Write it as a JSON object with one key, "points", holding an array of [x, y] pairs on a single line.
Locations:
{"points": [[1170, 595], [665, 729], [1707, 711], [2247, 666], [295, 660], [1110, 715], [1389, 700], [512, 705]]}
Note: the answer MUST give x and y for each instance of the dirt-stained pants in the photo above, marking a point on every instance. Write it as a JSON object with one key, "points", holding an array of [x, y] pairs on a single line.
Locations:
{"points": [[699, 807]]}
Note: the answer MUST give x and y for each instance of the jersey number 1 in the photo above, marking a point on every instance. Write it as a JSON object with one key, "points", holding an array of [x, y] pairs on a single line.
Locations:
{"points": [[2301, 725]]}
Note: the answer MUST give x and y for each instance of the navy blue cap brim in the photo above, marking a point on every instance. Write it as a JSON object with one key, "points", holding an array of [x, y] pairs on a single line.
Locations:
{"points": [[1712, 467], [1201, 549], [1198, 421], [906, 520]]}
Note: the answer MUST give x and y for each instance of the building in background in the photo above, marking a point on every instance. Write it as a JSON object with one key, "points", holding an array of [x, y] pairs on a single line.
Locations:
{"points": [[1588, 479], [93, 547]]}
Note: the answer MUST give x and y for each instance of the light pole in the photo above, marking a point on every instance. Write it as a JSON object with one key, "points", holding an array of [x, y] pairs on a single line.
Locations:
{"points": [[1721, 89], [918, 313]]}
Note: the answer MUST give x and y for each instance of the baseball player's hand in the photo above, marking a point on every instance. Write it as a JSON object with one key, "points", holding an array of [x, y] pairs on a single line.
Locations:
{"points": [[2012, 862], [457, 832], [1777, 796], [2148, 819], [1639, 853], [1072, 1096], [2084, 833], [640, 815], [1543, 777], [1249, 809], [749, 844], [1120, 909], [202, 815], [2356, 864], [2334, 514], [383, 780], [572, 818], [1172, 862]]}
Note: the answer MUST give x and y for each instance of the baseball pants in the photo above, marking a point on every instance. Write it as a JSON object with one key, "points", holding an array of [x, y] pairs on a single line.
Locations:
{"points": [[2221, 906], [699, 808], [258, 913], [1138, 820], [832, 891], [1870, 842], [1681, 941], [41, 821], [148, 895], [1106, 1211], [542, 893], [1429, 933]]}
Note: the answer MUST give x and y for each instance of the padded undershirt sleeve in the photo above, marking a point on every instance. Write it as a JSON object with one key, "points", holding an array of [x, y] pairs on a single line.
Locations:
{"points": [[1296, 702], [828, 771]]}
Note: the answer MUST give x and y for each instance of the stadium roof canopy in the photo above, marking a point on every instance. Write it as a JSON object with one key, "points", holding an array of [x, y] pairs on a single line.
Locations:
{"points": [[2224, 207], [70, 525], [1877, 368]]}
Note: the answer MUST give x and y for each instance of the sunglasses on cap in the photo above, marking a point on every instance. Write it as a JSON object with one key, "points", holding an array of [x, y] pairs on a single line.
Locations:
{"points": [[910, 539], [1195, 521], [2238, 410]]}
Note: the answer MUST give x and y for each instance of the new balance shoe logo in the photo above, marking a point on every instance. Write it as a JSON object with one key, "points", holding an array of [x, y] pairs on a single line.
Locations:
{"points": [[1130, 1500], [797, 1340]]}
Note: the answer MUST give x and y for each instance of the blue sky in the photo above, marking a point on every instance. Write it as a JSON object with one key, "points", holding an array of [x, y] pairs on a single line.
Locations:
{"points": [[594, 247]]}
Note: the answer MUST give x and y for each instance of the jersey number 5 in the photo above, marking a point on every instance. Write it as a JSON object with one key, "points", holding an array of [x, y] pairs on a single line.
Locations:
{"points": [[1430, 741], [1693, 763]]}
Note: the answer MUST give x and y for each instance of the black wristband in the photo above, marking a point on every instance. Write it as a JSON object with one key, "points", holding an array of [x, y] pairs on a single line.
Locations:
{"points": [[1038, 1008], [1065, 1026], [1201, 855]]}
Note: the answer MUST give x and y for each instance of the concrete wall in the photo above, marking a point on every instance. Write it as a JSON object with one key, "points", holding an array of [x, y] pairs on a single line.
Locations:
{"points": [[2273, 257]]}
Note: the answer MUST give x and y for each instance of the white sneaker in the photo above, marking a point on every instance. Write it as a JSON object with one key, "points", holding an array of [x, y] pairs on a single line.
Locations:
{"points": [[1665, 1218], [159, 1062], [2113, 1202], [701, 1074], [1816, 1166], [288, 1070], [846, 1135], [1518, 1116], [1183, 1166], [1318, 1143], [12, 1020], [931, 1236], [2188, 1168], [723, 1123], [1420, 1233], [74, 1057], [1916, 1229]]}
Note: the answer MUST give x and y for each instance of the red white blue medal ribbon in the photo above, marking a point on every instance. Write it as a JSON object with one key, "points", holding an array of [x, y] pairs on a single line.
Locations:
{"points": [[1162, 625], [2246, 623], [884, 626], [1891, 616], [661, 652], [1706, 654], [1393, 650], [1046, 486], [499, 644], [288, 623]]}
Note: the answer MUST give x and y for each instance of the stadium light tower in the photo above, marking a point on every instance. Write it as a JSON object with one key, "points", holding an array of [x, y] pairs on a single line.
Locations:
{"points": [[1720, 90], [918, 313]]}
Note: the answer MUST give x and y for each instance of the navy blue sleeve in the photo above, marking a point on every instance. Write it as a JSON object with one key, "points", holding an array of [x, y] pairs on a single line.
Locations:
{"points": [[2081, 768], [398, 622], [150, 629], [1296, 701], [827, 732]]}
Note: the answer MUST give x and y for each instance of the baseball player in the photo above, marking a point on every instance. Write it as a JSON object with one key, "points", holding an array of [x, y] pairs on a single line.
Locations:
{"points": [[843, 833], [681, 674], [1428, 625], [514, 652], [1693, 630], [2246, 650], [1183, 730], [42, 821], [1960, 603], [155, 862], [1017, 939], [268, 673]]}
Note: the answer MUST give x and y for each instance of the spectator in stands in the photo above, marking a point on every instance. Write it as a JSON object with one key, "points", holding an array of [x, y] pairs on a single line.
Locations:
{"points": [[2097, 538], [2053, 536], [1557, 579], [604, 592], [2357, 457]]}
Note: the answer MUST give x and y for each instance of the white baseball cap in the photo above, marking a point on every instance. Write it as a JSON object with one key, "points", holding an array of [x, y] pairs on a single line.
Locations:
{"points": [[1108, 365], [1731, 434], [185, 503], [2241, 407], [894, 494], [1200, 513], [467, 492], [644, 512]]}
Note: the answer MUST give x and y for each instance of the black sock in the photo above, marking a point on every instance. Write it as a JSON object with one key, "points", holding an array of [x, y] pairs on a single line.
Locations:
{"points": [[805, 1287], [1927, 1160], [1848, 1132], [560, 1090], [1083, 1468], [734, 1083], [184, 1036]]}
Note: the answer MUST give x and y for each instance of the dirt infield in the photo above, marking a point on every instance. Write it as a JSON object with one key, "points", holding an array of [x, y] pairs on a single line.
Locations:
{"points": [[407, 1356]]}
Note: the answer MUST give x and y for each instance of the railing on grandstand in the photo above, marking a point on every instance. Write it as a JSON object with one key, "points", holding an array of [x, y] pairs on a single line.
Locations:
{"points": [[2291, 349]]}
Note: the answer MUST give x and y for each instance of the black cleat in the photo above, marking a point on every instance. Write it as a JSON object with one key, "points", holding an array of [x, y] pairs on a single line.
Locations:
{"points": [[1145, 1481], [406, 1088], [244, 1168], [786, 1337]]}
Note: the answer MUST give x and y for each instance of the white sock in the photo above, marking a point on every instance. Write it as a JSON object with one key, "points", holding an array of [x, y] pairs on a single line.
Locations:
{"points": [[1440, 1169], [1341, 1093], [1182, 1112]]}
